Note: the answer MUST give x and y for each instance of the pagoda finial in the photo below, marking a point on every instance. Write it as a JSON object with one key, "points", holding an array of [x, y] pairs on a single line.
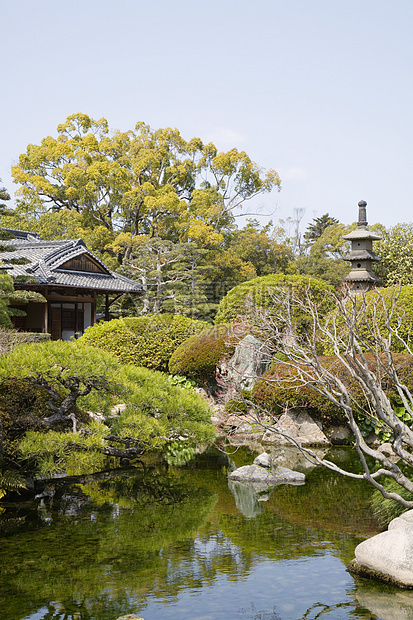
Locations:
{"points": [[362, 213]]}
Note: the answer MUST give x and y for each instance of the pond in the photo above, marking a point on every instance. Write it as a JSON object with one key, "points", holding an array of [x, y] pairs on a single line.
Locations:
{"points": [[182, 543]]}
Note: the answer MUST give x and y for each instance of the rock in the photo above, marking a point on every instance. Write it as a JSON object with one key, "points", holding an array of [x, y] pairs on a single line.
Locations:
{"points": [[298, 425], [387, 450], [250, 360], [339, 435], [117, 409], [255, 473], [388, 556], [264, 460], [130, 617]]}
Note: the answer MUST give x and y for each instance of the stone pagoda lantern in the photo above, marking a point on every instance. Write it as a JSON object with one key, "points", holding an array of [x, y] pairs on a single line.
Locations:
{"points": [[361, 277]]}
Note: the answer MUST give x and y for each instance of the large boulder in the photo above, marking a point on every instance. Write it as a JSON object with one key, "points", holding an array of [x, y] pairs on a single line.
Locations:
{"points": [[300, 426], [388, 556], [250, 360]]}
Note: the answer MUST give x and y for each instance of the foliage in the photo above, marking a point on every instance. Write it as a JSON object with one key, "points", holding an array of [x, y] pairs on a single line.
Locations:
{"points": [[281, 387], [170, 274], [259, 246], [385, 510], [257, 292], [143, 181], [396, 253], [179, 453], [382, 308], [6, 291], [199, 356], [324, 259], [317, 227], [10, 338], [156, 413], [143, 341], [11, 481]]}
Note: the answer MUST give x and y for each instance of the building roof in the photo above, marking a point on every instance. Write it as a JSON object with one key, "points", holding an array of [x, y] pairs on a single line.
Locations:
{"points": [[362, 275], [354, 255], [46, 264], [361, 232]]}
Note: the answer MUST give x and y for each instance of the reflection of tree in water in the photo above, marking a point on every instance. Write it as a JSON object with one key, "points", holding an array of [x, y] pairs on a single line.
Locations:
{"points": [[99, 554]]}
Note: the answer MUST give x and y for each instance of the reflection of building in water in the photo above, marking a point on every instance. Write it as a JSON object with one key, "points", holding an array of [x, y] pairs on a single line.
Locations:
{"points": [[361, 277]]}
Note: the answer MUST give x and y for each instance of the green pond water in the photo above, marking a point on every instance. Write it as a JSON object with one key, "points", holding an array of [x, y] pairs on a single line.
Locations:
{"points": [[182, 543]]}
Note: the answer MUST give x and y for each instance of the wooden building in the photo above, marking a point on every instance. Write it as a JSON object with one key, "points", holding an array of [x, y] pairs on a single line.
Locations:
{"points": [[68, 275]]}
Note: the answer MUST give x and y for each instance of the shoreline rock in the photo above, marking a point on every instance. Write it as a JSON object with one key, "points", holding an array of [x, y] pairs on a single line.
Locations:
{"points": [[388, 556]]}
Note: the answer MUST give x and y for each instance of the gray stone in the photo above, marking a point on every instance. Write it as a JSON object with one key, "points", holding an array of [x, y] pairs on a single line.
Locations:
{"points": [[255, 473], [292, 457], [264, 460], [339, 435], [387, 450], [388, 556], [250, 360], [298, 425]]}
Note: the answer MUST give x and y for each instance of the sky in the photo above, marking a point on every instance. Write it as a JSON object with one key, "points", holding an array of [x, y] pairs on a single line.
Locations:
{"points": [[319, 90]]}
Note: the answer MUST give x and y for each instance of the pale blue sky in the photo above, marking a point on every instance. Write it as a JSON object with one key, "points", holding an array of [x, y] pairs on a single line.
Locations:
{"points": [[320, 90]]}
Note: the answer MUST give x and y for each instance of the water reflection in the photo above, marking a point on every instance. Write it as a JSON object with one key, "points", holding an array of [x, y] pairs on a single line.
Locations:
{"points": [[164, 542]]}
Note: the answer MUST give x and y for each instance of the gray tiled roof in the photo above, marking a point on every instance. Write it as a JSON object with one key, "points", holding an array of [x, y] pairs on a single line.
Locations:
{"points": [[47, 257]]}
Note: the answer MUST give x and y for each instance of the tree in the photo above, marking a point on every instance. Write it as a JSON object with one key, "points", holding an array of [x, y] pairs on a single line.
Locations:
{"points": [[362, 348], [396, 254], [257, 245], [71, 379], [325, 257], [316, 228], [143, 181]]}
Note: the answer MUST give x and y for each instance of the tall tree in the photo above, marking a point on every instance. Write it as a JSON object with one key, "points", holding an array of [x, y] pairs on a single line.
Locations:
{"points": [[316, 228], [396, 253], [143, 181], [257, 245], [361, 379]]}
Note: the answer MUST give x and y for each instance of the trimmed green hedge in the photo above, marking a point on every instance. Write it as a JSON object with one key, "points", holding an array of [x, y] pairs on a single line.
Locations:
{"points": [[198, 357], [258, 292], [147, 341]]}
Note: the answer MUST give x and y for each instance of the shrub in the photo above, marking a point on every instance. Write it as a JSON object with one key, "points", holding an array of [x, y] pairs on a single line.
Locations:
{"points": [[10, 338], [403, 317], [147, 341], [156, 410], [384, 509], [198, 357], [279, 388], [258, 292]]}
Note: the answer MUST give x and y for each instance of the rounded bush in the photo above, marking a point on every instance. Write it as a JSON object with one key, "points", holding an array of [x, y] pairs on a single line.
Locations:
{"points": [[147, 341], [198, 357], [280, 388], [402, 318], [156, 410], [258, 292]]}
